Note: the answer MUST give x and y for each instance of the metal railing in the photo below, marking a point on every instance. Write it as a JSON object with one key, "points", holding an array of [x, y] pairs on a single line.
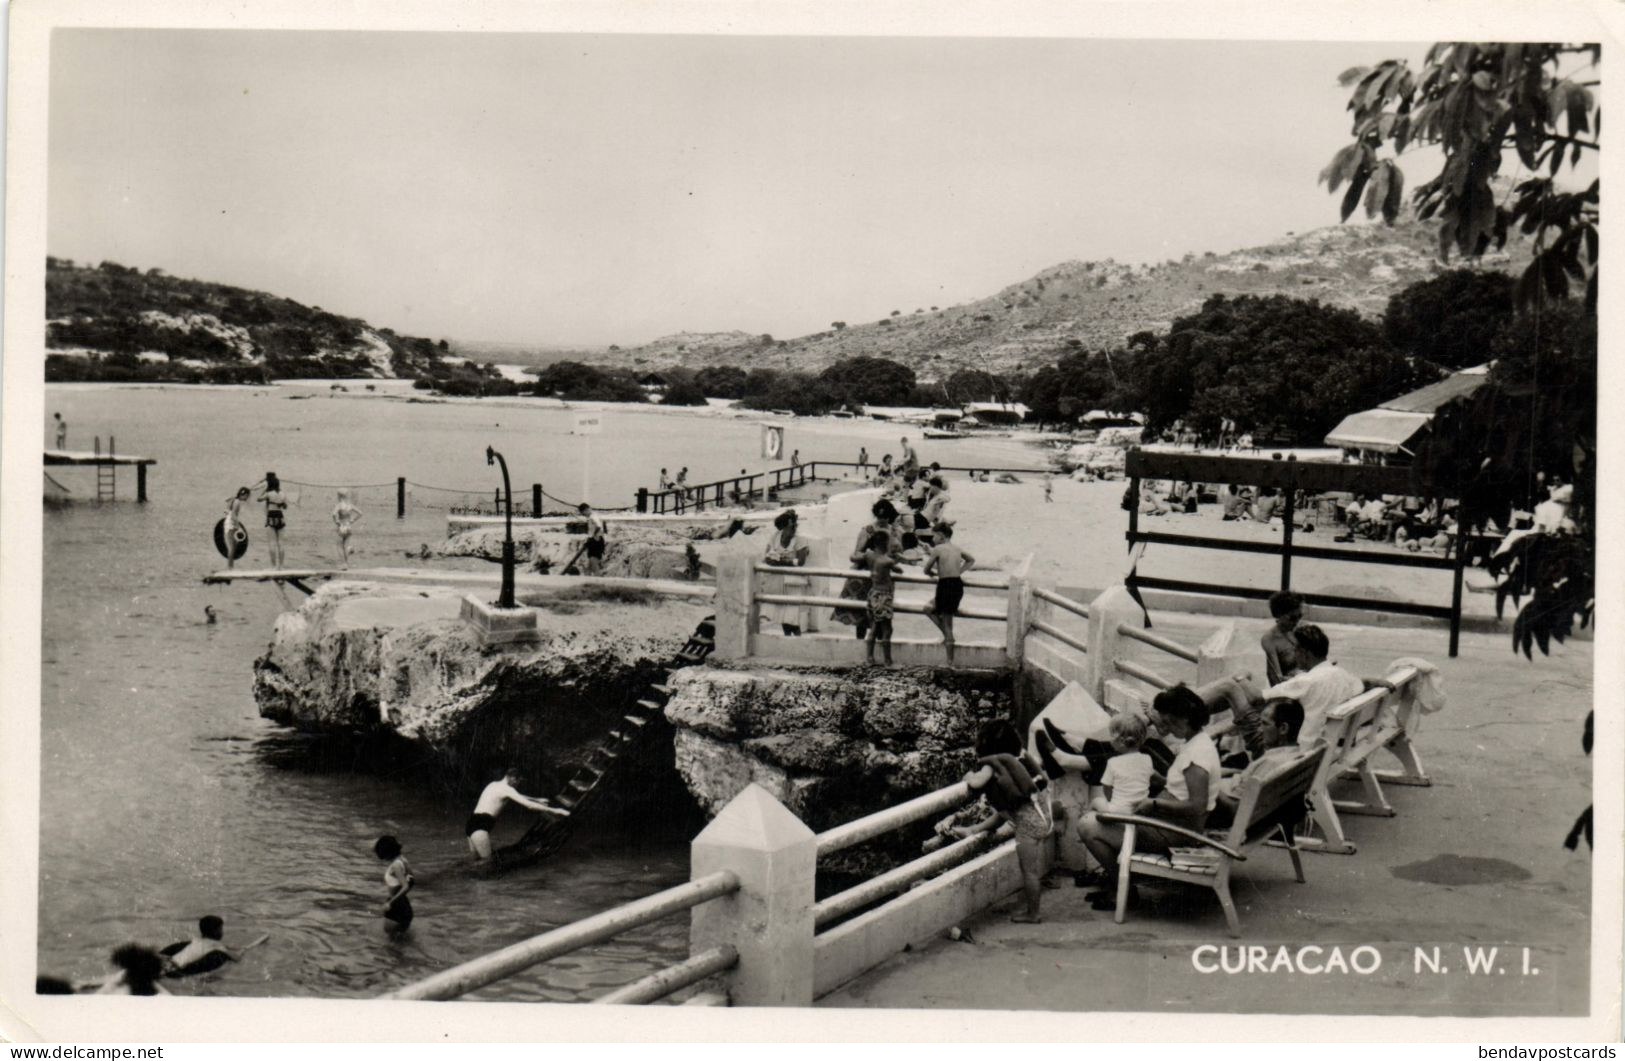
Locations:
{"points": [[1066, 604], [765, 485], [911, 607], [855, 832], [515, 958]]}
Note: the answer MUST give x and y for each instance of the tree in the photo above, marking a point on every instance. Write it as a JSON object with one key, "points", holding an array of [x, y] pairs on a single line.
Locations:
{"points": [[838, 325], [1281, 367], [870, 380], [721, 381], [973, 385], [683, 392], [1451, 320], [1477, 102]]}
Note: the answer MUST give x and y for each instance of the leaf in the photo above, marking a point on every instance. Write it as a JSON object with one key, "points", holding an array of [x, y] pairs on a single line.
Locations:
{"points": [[1351, 75], [1557, 101], [1578, 101], [1396, 189], [1483, 81], [1351, 199], [1402, 132], [1377, 191]]}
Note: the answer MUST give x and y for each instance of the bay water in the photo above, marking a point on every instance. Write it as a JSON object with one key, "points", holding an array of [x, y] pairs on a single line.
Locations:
{"points": [[164, 796]]}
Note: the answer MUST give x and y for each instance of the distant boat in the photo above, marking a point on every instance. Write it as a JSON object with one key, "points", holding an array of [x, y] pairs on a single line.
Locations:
{"points": [[944, 433]]}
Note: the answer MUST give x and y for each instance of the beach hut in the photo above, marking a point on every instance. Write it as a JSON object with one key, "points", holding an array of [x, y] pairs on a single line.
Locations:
{"points": [[1394, 430]]}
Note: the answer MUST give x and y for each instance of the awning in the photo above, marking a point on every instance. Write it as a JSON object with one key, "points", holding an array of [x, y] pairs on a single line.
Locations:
{"points": [[1381, 430]]}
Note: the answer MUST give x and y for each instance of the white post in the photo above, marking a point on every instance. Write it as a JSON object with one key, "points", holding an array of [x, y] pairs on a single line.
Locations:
{"points": [[1020, 597], [769, 920], [1223, 655], [735, 603], [1105, 644]]}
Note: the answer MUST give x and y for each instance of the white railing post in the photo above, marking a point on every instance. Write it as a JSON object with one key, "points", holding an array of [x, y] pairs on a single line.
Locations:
{"points": [[1105, 644], [736, 605], [1222, 655], [1020, 598], [769, 920]]}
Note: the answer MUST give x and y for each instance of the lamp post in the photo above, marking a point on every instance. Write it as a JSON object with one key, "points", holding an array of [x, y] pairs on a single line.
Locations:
{"points": [[506, 599]]}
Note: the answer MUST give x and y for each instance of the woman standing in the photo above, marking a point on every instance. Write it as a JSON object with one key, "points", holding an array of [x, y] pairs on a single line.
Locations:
{"points": [[882, 594], [275, 506], [234, 524], [785, 548]]}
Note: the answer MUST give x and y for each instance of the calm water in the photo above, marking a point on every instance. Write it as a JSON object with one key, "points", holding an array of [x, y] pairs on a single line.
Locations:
{"points": [[164, 795]]}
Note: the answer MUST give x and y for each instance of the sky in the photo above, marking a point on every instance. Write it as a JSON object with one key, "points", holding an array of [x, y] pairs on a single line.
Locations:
{"points": [[592, 189]]}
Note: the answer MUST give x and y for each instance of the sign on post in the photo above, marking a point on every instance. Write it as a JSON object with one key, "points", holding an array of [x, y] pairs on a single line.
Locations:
{"points": [[773, 441], [588, 424]]}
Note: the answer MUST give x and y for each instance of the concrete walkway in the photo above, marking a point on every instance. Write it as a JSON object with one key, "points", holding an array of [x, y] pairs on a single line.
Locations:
{"points": [[1475, 860]]}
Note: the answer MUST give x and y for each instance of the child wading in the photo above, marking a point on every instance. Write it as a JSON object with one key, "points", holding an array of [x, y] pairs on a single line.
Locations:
{"points": [[398, 879]]}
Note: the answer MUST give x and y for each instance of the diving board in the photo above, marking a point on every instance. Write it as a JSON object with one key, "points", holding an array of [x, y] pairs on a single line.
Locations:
{"points": [[299, 577]]}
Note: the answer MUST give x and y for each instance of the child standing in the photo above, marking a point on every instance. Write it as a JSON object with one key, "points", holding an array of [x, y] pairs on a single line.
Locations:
{"points": [[882, 594], [1280, 651], [345, 517], [398, 878], [1127, 779], [949, 563], [1014, 789], [1049, 487]]}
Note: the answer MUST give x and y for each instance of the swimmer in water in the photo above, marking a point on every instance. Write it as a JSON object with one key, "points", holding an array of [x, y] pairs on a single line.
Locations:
{"points": [[497, 795], [136, 971], [345, 517], [209, 616], [205, 950], [398, 879]]}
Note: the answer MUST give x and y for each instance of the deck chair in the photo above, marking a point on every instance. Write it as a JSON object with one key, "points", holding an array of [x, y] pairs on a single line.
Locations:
{"points": [[1270, 804]]}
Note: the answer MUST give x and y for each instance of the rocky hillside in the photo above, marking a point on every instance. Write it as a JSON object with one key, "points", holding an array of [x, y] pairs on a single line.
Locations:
{"points": [[1100, 304], [116, 322]]}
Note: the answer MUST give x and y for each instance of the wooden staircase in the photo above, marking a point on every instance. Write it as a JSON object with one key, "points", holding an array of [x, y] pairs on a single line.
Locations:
{"points": [[552, 832]]}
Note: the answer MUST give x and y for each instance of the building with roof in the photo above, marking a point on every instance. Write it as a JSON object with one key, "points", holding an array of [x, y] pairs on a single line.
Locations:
{"points": [[1394, 430]]}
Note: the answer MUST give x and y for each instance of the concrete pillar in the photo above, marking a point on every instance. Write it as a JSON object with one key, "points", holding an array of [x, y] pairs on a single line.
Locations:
{"points": [[769, 920], [1106, 611], [1020, 601], [736, 608], [1226, 653]]}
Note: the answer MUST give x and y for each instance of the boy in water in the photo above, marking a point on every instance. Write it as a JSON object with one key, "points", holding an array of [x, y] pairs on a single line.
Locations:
{"points": [[497, 795], [949, 563], [206, 948], [345, 517], [1280, 651], [398, 879]]}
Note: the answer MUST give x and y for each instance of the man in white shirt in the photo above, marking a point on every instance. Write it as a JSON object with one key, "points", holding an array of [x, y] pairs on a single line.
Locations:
{"points": [[1319, 686]]}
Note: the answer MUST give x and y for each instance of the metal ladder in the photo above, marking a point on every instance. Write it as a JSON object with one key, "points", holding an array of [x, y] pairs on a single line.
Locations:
{"points": [[552, 832], [106, 474]]}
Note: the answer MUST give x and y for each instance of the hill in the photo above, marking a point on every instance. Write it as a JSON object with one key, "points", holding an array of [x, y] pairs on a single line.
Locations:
{"points": [[116, 322], [1095, 304]]}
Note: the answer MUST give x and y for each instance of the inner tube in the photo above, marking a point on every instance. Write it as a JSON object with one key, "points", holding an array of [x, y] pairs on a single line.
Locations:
{"points": [[206, 964], [239, 540]]}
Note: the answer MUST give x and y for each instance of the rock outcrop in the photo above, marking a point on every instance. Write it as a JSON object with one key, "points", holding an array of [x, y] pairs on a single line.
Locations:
{"points": [[372, 659], [829, 745]]}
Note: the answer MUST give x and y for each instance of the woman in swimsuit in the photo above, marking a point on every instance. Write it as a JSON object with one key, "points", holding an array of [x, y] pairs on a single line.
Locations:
{"points": [[275, 506], [234, 519], [345, 517]]}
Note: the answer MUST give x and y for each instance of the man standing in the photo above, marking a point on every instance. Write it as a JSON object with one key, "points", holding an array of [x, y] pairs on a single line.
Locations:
{"points": [[596, 540], [910, 458], [949, 563], [863, 461], [497, 795], [61, 431]]}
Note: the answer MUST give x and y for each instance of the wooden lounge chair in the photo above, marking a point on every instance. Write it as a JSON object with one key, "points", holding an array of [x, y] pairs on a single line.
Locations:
{"points": [[1270, 804], [1357, 729]]}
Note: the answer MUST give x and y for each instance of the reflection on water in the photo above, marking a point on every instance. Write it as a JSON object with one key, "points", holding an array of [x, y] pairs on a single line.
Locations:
{"points": [[164, 796]]}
